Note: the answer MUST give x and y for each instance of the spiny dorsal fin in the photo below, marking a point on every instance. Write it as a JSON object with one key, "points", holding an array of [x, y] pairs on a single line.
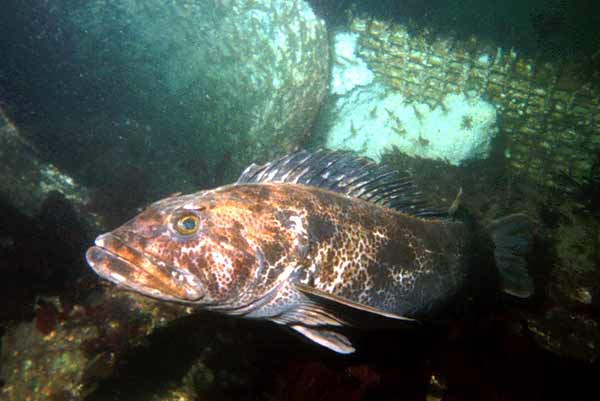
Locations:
{"points": [[346, 173]]}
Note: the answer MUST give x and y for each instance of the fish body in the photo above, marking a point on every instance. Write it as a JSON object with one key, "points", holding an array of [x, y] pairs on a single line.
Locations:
{"points": [[315, 242]]}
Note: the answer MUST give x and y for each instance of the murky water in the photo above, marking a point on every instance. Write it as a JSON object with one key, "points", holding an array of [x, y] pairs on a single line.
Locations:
{"points": [[106, 107]]}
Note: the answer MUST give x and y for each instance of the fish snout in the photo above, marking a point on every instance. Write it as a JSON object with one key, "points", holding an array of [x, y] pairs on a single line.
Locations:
{"points": [[114, 260]]}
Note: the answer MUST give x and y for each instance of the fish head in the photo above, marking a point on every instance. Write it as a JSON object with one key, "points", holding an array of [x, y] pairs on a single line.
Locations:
{"points": [[177, 249]]}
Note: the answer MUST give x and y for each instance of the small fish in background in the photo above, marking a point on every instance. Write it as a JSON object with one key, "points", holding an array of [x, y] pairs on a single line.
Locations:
{"points": [[316, 242]]}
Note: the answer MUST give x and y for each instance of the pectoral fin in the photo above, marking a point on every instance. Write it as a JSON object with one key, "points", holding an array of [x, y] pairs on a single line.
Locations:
{"points": [[321, 317], [327, 338], [350, 312]]}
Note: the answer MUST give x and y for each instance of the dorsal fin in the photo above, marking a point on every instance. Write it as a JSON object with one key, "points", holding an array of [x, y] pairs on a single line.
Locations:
{"points": [[343, 172]]}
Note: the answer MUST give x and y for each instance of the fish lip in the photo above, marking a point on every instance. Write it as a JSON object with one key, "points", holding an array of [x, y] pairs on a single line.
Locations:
{"points": [[104, 256]]}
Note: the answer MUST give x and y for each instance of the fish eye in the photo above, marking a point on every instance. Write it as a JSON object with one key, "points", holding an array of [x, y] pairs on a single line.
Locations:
{"points": [[188, 224]]}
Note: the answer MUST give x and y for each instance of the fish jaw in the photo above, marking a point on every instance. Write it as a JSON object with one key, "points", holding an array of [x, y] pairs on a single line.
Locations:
{"points": [[115, 261]]}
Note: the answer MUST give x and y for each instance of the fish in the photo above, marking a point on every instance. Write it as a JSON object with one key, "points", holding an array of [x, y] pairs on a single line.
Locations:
{"points": [[316, 241]]}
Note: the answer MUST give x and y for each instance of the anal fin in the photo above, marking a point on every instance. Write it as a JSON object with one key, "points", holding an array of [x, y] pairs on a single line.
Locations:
{"points": [[327, 338]]}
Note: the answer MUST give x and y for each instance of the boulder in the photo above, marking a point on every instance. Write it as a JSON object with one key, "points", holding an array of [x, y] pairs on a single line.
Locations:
{"points": [[192, 91]]}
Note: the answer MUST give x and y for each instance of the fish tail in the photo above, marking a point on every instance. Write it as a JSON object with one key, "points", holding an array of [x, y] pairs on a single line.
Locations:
{"points": [[512, 236]]}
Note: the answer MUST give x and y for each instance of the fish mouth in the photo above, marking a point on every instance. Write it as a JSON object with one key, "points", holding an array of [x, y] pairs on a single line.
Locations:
{"points": [[114, 260]]}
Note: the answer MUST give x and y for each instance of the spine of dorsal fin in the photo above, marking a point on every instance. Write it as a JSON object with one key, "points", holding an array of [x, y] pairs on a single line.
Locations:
{"points": [[346, 173]]}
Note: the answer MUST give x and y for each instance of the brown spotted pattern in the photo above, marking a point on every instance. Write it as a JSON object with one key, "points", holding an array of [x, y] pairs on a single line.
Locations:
{"points": [[255, 241], [379, 257]]}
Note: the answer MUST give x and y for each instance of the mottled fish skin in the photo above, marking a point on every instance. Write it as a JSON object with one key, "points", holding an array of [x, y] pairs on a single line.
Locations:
{"points": [[257, 240], [316, 242], [376, 256], [228, 254]]}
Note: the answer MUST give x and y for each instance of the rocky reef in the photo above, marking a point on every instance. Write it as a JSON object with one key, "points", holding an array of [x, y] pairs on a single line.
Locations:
{"points": [[164, 117], [67, 336]]}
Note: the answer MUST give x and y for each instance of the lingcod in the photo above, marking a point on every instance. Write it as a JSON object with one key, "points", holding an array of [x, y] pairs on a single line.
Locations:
{"points": [[315, 241]]}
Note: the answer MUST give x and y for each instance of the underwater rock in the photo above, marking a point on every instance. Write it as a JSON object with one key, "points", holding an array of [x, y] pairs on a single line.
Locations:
{"points": [[155, 85], [45, 223], [25, 179], [117, 345], [569, 325], [82, 346]]}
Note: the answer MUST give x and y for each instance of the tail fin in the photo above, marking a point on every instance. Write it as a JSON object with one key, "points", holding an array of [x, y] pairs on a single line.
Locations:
{"points": [[511, 235]]}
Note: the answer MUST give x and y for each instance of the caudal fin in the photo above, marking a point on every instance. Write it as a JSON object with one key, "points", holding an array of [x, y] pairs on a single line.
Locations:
{"points": [[511, 236]]}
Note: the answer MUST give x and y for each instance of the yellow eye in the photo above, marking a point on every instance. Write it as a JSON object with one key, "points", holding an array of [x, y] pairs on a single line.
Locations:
{"points": [[188, 224]]}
